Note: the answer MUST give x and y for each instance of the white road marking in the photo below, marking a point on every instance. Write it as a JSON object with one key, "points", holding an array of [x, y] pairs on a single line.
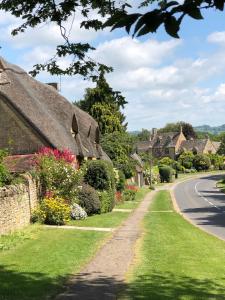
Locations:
{"points": [[203, 197]]}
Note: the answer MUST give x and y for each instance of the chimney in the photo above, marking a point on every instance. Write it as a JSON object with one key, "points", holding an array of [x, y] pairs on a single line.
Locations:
{"points": [[154, 132], [54, 84]]}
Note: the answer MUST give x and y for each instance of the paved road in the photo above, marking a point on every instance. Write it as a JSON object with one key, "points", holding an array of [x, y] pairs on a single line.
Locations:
{"points": [[204, 204]]}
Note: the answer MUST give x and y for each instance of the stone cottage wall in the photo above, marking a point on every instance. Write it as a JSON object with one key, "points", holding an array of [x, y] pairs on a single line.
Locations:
{"points": [[16, 205]]}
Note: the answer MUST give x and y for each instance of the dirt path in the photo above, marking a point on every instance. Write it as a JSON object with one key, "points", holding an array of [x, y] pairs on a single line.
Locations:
{"points": [[104, 275]]}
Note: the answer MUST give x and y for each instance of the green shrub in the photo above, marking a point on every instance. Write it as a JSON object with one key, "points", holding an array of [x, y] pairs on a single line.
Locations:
{"points": [[59, 177], [5, 177], [3, 153], [120, 184], [216, 161], [166, 161], [107, 200], [89, 200], [165, 173], [201, 162], [186, 159], [52, 211], [129, 195], [100, 175]]}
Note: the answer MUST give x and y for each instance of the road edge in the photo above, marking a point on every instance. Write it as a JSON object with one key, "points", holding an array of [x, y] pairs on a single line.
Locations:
{"points": [[177, 209]]}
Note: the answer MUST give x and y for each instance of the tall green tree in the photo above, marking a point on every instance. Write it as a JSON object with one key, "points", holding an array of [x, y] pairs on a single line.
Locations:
{"points": [[119, 146], [187, 129], [104, 105], [221, 150]]}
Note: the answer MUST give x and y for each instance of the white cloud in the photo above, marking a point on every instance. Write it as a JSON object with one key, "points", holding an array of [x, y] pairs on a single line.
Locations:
{"points": [[217, 37]]}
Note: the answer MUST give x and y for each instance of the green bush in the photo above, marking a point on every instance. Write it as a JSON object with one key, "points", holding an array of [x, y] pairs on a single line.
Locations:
{"points": [[216, 161], [89, 200], [165, 173], [186, 159], [5, 177], [201, 162], [120, 184], [166, 161], [52, 211], [100, 175], [107, 200], [58, 176], [129, 195]]}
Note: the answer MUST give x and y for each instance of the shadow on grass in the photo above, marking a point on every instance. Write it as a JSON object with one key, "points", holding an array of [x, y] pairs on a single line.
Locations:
{"points": [[24, 286]]}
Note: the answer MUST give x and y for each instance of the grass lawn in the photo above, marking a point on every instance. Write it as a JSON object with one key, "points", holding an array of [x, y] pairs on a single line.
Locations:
{"points": [[35, 262], [176, 260], [133, 204], [221, 185], [108, 220]]}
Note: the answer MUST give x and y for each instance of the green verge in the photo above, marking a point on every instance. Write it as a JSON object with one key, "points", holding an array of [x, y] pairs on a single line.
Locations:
{"points": [[221, 185], [176, 260], [35, 262], [107, 220], [133, 204]]}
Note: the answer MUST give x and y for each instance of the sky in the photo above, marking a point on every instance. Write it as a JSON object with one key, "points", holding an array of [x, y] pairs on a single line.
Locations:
{"points": [[163, 79]]}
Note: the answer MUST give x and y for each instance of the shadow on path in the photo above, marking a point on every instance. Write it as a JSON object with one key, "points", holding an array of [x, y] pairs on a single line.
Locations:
{"points": [[35, 286]]}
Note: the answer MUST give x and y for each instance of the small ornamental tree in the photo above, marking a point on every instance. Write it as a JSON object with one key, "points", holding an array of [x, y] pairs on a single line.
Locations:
{"points": [[201, 162]]}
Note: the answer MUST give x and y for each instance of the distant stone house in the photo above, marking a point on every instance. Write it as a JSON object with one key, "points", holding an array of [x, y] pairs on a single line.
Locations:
{"points": [[34, 115], [172, 144]]}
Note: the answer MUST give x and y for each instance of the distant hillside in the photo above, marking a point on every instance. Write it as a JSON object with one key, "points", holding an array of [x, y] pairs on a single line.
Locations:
{"points": [[210, 129]]}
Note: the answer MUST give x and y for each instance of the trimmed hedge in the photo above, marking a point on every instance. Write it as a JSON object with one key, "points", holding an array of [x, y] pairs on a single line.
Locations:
{"points": [[100, 175], [89, 200], [165, 173], [107, 200]]}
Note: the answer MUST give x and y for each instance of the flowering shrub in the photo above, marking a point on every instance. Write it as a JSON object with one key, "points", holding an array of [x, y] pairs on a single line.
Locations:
{"points": [[58, 177], [65, 154], [129, 194], [131, 187], [77, 212], [118, 196], [52, 211]]}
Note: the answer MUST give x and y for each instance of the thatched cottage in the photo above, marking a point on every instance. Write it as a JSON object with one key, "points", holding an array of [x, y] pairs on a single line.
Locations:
{"points": [[34, 115], [172, 144]]}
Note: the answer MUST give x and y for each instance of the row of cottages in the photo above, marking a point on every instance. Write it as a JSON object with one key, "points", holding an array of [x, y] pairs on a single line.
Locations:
{"points": [[34, 115], [172, 144]]}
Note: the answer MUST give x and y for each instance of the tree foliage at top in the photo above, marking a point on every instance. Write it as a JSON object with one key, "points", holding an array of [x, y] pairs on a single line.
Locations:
{"points": [[104, 105], [118, 14], [63, 13], [170, 14], [187, 129]]}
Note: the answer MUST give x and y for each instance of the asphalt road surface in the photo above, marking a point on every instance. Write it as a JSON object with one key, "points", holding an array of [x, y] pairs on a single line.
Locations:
{"points": [[203, 203]]}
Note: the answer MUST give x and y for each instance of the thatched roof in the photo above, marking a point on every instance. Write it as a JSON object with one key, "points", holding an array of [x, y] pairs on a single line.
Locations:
{"points": [[60, 123]]}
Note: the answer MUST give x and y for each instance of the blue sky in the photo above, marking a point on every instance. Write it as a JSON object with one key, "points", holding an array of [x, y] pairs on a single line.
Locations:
{"points": [[163, 79]]}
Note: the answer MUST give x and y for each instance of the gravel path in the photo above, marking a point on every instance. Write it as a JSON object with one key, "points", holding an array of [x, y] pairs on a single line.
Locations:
{"points": [[104, 276]]}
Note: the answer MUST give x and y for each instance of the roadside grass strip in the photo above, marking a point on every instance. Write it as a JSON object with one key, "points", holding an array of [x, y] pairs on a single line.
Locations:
{"points": [[35, 263], [175, 260]]}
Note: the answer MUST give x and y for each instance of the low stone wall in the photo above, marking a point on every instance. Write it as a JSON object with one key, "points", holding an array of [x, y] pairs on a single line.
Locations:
{"points": [[16, 205]]}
